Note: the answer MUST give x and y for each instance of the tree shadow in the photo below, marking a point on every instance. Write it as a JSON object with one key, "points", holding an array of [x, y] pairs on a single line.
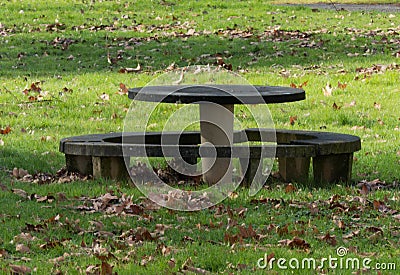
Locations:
{"points": [[30, 160], [56, 54]]}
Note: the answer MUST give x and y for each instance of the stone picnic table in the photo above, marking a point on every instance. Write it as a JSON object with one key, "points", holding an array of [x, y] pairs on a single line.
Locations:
{"points": [[216, 107], [104, 155]]}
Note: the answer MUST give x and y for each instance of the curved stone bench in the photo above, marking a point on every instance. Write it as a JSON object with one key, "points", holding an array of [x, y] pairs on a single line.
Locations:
{"points": [[101, 155]]}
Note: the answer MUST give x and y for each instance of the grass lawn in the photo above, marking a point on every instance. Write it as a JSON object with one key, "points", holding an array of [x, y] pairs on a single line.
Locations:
{"points": [[60, 75], [334, 2]]}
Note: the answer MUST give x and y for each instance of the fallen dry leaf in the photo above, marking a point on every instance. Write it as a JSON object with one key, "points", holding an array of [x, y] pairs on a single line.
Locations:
{"points": [[296, 242], [397, 217], [22, 248], [106, 268], [20, 269], [59, 259], [327, 89], [299, 85], [104, 97], [123, 90], [172, 263], [380, 206], [188, 266], [335, 106], [130, 70], [5, 131], [292, 120], [3, 253], [342, 85], [290, 188], [20, 192], [329, 239], [351, 234]]}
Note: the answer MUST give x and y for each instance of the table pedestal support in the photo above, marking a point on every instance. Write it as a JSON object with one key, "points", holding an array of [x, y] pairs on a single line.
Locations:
{"points": [[216, 127]]}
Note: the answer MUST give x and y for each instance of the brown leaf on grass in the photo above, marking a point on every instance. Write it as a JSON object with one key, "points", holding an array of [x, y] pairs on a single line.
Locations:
{"points": [[51, 244], [105, 97], [375, 236], [351, 104], [358, 128], [299, 85], [3, 253], [24, 237], [130, 70], [3, 187], [187, 239], [327, 90], [22, 248], [35, 87], [342, 85], [292, 120], [297, 232], [331, 240], [172, 263], [339, 223], [92, 270], [20, 269], [123, 90], [290, 188], [221, 63], [171, 67], [364, 190], [36, 228], [296, 242], [188, 266], [32, 98], [377, 106], [59, 259], [231, 239], [313, 208], [351, 234], [380, 206], [142, 234], [46, 138], [233, 195], [247, 232], [106, 269], [48, 198], [97, 225], [335, 106], [5, 131], [67, 90], [20, 192], [163, 249], [282, 230]]}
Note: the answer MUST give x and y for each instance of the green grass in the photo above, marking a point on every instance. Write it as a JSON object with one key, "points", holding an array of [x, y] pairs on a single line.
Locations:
{"points": [[335, 2], [70, 63]]}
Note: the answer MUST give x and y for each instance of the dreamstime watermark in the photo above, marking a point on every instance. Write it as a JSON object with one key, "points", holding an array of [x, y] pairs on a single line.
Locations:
{"points": [[339, 261], [191, 99]]}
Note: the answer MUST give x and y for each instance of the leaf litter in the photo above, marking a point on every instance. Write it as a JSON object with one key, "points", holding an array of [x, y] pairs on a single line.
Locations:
{"points": [[297, 235]]}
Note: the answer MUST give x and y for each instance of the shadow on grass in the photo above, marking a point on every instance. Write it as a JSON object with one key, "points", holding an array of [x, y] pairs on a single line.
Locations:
{"points": [[30, 160], [53, 54]]}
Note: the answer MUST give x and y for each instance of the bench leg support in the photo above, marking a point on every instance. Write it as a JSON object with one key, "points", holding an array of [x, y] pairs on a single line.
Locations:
{"points": [[81, 164], [110, 167], [333, 168], [294, 169], [250, 172]]}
